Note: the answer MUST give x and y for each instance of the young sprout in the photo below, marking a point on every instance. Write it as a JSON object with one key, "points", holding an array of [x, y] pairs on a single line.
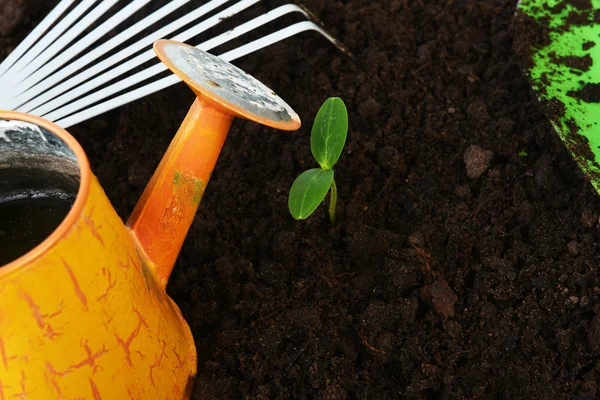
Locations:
{"points": [[327, 140], [523, 153]]}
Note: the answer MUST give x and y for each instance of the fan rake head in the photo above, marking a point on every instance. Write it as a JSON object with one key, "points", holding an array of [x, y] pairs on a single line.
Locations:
{"points": [[69, 68]]}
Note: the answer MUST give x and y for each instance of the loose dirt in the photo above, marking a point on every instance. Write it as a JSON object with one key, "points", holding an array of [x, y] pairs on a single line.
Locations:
{"points": [[432, 285]]}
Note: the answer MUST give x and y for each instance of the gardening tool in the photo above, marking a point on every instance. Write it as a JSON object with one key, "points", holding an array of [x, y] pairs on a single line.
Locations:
{"points": [[84, 314], [44, 77], [559, 40]]}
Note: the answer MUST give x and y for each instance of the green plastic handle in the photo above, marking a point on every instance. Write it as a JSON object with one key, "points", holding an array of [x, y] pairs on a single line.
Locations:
{"points": [[564, 68]]}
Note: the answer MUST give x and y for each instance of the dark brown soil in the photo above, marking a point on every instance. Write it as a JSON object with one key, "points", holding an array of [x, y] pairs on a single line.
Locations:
{"points": [[432, 285], [590, 93]]}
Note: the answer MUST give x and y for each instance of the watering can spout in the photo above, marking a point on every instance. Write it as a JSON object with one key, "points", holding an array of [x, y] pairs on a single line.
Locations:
{"points": [[166, 209], [164, 213]]}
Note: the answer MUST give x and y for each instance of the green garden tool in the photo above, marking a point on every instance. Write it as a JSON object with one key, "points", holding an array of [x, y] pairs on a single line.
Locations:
{"points": [[560, 40]]}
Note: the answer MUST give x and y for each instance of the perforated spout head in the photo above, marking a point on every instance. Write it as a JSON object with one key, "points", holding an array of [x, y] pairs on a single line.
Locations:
{"points": [[221, 83]]}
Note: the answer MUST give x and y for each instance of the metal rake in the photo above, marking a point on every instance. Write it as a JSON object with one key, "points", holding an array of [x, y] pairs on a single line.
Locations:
{"points": [[67, 76]]}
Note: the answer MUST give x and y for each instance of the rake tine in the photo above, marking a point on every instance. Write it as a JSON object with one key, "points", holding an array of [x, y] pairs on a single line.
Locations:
{"points": [[34, 35], [253, 24], [44, 45], [30, 101], [65, 39], [41, 88], [67, 121], [33, 78], [136, 61], [156, 69], [19, 59], [278, 36]]}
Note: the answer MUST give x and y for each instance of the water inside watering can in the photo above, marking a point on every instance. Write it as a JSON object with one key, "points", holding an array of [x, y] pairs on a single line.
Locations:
{"points": [[26, 220], [39, 181]]}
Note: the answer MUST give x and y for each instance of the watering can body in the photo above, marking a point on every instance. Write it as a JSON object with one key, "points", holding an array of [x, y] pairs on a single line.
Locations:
{"points": [[83, 315]]}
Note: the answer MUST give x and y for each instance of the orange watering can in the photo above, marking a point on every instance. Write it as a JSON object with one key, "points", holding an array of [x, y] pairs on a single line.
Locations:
{"points": [[83, 308]]}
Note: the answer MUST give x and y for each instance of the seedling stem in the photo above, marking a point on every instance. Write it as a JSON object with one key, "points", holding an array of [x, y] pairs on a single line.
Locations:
{"points": [[332, 202]]}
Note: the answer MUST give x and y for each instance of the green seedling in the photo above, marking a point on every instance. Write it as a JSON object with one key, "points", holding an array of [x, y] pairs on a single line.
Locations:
{"points": [[327, 140], [523, 153]]}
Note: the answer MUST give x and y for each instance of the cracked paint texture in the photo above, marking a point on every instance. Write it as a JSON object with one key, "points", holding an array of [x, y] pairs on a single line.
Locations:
{"points": [[82, 321]]}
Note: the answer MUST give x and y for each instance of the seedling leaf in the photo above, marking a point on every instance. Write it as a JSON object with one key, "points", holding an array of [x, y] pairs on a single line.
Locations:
{"points": [[308, 191], [329, 132]]}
